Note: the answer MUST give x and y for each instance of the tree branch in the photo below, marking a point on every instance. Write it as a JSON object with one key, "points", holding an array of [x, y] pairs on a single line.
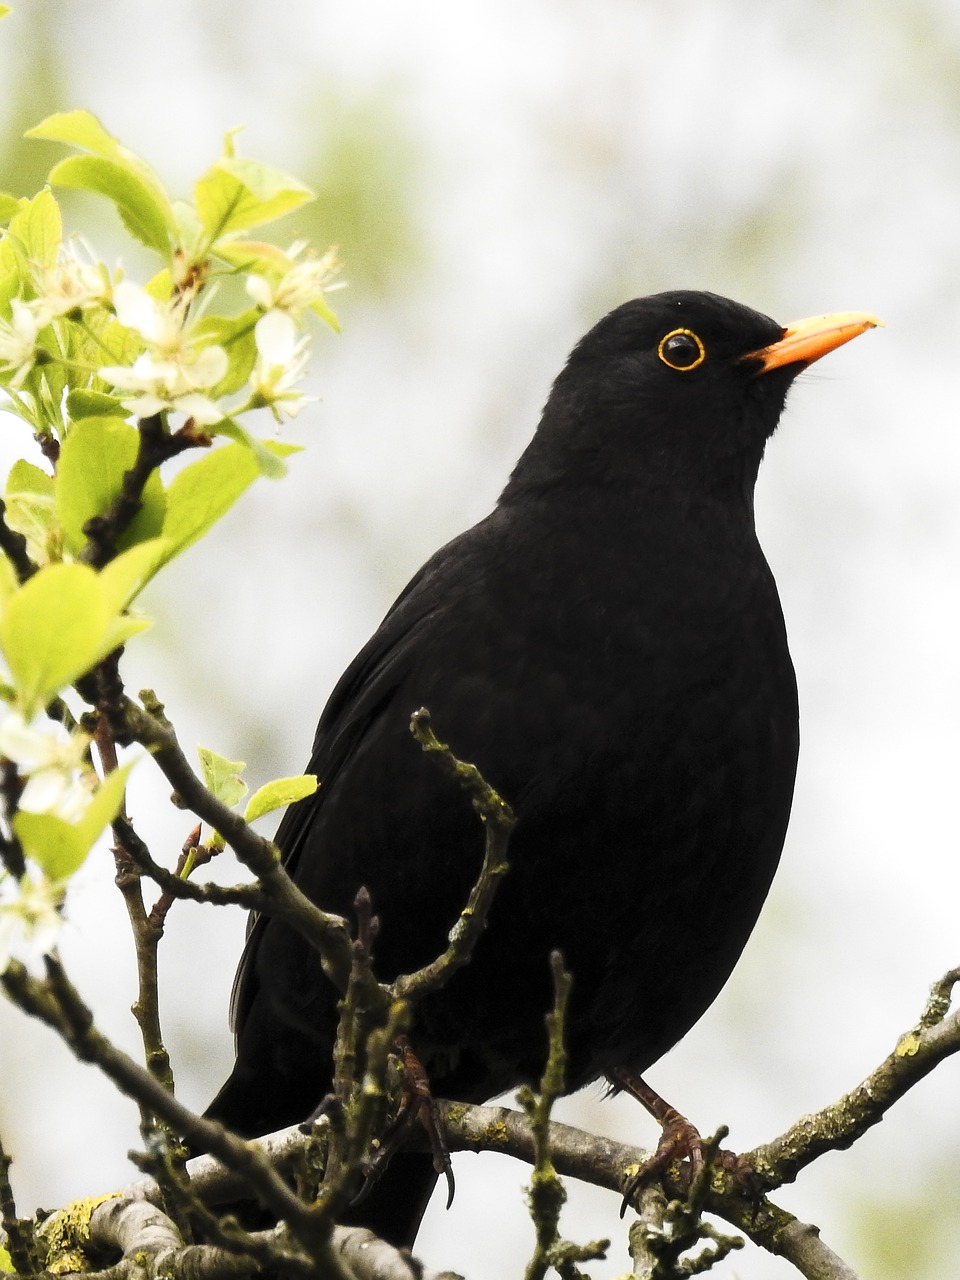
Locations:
{"points": [[935, 1037], [499, 821], [329, 933], [156, 445]]}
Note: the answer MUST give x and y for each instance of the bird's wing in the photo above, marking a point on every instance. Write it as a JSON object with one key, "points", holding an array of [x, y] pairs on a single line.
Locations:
{"points": [[362, 693]]}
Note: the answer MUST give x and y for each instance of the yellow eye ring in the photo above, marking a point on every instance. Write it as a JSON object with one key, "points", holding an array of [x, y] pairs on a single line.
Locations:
{"points": [[680, 357]]}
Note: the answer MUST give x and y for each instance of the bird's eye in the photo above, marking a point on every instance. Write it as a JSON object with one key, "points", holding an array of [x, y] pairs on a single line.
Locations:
{"points": [[681, 349]]}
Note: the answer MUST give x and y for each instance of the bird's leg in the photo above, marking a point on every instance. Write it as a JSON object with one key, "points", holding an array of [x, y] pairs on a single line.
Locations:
{"points": [[679, 1139], [417, 1105]]}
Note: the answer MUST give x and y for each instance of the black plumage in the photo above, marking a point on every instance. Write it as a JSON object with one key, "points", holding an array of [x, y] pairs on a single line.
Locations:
{"points": [[608, 647]]}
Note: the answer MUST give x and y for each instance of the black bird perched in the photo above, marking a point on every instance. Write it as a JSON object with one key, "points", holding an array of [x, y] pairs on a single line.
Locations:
{"points": [[608, 648]]}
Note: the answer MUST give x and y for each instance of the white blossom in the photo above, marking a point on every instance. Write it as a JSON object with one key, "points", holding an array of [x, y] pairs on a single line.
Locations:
{"points": [[302, 285], [30, 918], [70, 284], [18, 342], [176, 369], [281, 363], [50, 766]]}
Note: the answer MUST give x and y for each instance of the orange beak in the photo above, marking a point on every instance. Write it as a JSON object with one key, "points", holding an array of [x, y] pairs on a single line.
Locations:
{"points": [[807, 340]]}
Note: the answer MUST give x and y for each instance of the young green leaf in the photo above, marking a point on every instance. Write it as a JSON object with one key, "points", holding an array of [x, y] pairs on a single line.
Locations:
{"points": [[236, 335], [51, 631], [277, 794], [31, 509], [222, 776], [269, 464], [59, 847], [128, 573], [143, 217], [93, 404], [206, 490], [9, 582], [253, 255], [114, 171], [236, 193], [37, 228], [96, 454], [57, 626]]}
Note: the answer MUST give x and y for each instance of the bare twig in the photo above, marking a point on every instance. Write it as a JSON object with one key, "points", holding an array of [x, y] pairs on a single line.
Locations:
{"points": [[279, 895], [18, 1231], [57, 1003], [499, 821]]}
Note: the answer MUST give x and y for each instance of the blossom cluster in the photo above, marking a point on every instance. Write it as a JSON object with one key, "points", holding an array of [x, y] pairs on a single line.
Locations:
{"points": [[57, 780]]}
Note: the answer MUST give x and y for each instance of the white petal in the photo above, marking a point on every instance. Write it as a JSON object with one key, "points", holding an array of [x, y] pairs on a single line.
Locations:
{"points": [[276, 337], [201, 408], [260, 291], [145, 406], [21, 744], [45, 791], [209, 368], [137, 310]]}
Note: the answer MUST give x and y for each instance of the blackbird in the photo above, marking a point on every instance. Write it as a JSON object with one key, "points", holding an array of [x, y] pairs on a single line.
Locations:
{"points": [[608, 648]]}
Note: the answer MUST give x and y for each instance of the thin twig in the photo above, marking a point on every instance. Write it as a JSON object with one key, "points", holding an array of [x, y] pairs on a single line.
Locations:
{"points": [[329, 933], [18, 1231], [499, 821], [57, 1003]]}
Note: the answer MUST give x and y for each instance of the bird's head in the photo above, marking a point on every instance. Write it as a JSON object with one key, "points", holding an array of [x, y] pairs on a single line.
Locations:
{"points": [[679, 386]]}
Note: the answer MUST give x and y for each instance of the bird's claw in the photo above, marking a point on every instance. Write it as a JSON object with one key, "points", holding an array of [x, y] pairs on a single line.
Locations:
{"points": [[417, 1106], [680, 1140]]}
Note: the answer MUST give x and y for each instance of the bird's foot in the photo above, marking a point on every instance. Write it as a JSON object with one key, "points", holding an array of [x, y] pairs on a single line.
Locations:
{"points": [[679, 1140], [417, 1106]]}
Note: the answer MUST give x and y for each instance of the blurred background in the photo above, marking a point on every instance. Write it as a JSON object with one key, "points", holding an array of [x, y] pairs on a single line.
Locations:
{"points": [[497, 175]]}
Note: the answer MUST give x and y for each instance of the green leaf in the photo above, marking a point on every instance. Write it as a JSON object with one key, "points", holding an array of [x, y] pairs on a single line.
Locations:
{"points": [[206, 490], [142, 215], [58, 625], [24, 477], [37, 227], [128, 573], [78, 129], [118, 632], [236, 335], [236, 193], [6, 1262], [254, 255], [54, 844], [8, 206], [105, 805], [52, 630], [31, 509], [270, 465], [93, 404], [222, 776], [59, 847], [93, 460], [277, 794], [114, 171], [9, 582]]}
